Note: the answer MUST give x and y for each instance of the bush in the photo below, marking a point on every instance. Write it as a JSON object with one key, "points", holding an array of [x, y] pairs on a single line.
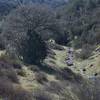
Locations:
{"points": [[51, 56], [8, 91], [7, 71], [34, 68], [23, 35], [55, 87], [33, 49], [17, 66], [22, 73], [11, 61], [77, 43], [21, 94], [65, 74], [85, 52], [41, 77], [1, 42], [41, 95], [11, 74], [6, 88], [55, 46]]}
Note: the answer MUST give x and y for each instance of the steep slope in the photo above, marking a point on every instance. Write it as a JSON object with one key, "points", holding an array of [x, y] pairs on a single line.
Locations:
{"points": [[61, 83], [89, 68]]}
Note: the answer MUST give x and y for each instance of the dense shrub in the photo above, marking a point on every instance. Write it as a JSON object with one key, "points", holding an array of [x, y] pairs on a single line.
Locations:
{"points": [[23, 28], [33, 49], [21, 72], [41, 95], [10, 92], [1, 44], [82, 20], [6, 88], [41, 77], [55, 87], [66, 74], [11, 61], [21, 94], [55, 46], [85, 52], [7, 71], [27, 44], [34, 68]]}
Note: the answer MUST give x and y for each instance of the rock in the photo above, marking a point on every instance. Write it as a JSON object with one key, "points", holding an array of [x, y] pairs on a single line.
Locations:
{"points": [[69, 59], [91, 65], [69, 62], [95, 74], [84, 70]]}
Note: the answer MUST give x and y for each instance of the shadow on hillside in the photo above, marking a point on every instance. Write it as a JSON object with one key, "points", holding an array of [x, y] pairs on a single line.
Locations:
{"points": [[61, 74]]}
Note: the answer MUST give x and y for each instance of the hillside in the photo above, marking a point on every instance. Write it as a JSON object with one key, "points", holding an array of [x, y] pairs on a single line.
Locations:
{"points": [[32, 78], [57, 82], [49, 49], [88, 68]]}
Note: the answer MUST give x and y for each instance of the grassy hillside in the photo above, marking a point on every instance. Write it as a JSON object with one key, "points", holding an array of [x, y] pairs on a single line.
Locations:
{"points": [[60, 82], [50, 51], [87, 68], [57, 61]]}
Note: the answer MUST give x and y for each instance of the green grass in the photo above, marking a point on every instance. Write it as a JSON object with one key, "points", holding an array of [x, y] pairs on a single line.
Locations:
{"points": [[29, 82], [1, 98], [79, 65], [60, 58]]}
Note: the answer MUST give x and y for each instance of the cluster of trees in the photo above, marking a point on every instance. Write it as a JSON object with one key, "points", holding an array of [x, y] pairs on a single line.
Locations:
{"points": [[82, 20], [26, 29]]}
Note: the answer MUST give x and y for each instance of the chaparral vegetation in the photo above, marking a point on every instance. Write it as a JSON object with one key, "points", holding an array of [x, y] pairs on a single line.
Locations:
{"points": [[49, 49]]}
